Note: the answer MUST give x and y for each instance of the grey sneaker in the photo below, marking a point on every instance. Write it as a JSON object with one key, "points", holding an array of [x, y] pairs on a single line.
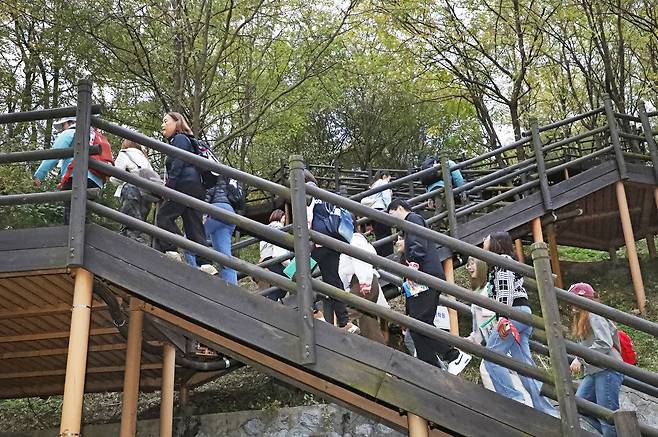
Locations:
{"points": [[172, 254], [209, 268]]}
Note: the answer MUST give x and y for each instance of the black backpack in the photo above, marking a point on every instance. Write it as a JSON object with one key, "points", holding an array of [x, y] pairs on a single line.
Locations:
{"points": [[236, 193], [208, 177], [431, 178]]}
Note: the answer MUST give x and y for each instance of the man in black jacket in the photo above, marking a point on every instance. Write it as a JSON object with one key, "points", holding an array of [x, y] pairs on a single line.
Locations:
{"points": [[423, 255]]}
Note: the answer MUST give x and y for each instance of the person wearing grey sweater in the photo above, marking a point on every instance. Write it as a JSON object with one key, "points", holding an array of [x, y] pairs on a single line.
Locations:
{"points": [[599, 385]]}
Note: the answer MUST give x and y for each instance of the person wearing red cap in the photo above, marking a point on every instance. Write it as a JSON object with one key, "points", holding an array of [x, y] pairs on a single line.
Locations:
{"points": [[598, 334]]}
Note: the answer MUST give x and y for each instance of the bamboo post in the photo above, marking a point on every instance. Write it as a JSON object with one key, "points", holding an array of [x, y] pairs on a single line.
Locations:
{"points": [[77, 216], [537, 234], [555, 258], [629, 239], [448, 269], [626, 423], [557, 350], [417, 426], [518, 248], [131, 374], [76, 361], [167, 393], [302, 261]]}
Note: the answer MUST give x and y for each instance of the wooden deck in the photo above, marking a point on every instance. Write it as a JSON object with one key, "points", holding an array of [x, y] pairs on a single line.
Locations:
{"points": [[365, 376]]}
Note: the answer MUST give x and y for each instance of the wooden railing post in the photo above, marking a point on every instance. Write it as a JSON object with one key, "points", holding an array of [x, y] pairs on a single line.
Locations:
{"points": [[411, 183], [541, 166], [651, 144], [556, 348], [302, 260], [614, 137], [78, 211], [449, 196], [626, 423], [336, 176]]}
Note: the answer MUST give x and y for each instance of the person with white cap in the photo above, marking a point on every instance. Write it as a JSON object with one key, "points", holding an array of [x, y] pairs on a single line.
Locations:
{"points": [[66, 128]]}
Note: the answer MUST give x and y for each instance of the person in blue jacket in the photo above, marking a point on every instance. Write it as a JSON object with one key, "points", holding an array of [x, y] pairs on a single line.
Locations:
{"points": [[66, 128], [185, 178]]}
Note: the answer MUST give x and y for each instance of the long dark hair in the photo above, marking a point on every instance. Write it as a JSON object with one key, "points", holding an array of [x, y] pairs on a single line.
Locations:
{"points": [[379, 174], [501, 243], [181, 124]]}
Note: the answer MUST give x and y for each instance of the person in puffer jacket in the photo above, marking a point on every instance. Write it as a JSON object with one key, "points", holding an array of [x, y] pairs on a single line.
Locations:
{"points": [[185, 178]]}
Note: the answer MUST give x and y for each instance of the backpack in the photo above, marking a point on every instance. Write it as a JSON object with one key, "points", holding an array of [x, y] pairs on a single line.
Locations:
{"points": [[105, 156], [430, 178], [236, 194], [146, 173], [208, 177], [338, 222], [627, 351]]}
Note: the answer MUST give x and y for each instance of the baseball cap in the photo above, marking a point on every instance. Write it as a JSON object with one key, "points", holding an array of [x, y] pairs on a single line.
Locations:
{"points": [[583, 289]]}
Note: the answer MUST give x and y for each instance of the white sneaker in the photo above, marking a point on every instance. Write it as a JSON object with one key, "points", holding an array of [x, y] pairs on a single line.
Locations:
{"points": [[209, 268], [174, 255], [456, 366]]}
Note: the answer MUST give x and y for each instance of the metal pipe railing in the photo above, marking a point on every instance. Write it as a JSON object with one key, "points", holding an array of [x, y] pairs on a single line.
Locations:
{"points": [[566, 121], [37, 155], [44, 114]]}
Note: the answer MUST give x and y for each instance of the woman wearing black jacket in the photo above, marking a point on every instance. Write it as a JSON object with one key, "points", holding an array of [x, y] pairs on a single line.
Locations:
{"points": [[183, 177]]}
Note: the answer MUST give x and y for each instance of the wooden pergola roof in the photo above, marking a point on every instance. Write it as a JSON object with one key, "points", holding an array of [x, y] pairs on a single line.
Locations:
{"points": [[35, 315]]}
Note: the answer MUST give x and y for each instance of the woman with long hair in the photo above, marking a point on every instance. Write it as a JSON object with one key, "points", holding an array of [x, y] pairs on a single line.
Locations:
{"points": [[185, 178], [513, 336], [599, 334]]}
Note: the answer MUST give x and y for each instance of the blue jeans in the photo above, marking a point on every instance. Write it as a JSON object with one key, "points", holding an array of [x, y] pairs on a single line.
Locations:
{"points": [[602, 388], [220, 234], [500, 376]]}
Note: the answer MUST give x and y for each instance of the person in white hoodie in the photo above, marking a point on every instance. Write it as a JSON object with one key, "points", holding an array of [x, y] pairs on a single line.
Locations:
{"points": [[134, 201], [361, 279]]}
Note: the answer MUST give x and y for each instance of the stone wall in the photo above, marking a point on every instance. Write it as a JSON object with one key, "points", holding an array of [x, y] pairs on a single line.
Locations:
{"points": [[317, 421]]}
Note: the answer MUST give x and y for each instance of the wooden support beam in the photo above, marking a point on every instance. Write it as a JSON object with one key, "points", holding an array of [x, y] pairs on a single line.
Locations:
{"points": [[76, 362], [448, 269], [60, 351], [34, 273], [555, 258], [626, 423], [54, 335], [62, 308], [89, 371], [131, 375], [651, 245], [288, 372], [629, 238], [167, 393], [537, 234]]}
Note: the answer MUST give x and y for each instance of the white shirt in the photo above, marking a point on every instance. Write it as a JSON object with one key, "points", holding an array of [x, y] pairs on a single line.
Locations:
{"points": [[130, 159], [269, 250], [378, 200]]}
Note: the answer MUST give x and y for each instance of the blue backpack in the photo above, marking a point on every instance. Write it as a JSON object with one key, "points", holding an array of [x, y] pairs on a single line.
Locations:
{"points": [[338, 222]]}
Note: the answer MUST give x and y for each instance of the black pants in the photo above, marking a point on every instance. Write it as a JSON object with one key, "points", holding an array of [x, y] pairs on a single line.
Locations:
{"points": [[67, 203], [422, 307], [137, 206], [381, 231], [276, 294], [169, 211], [327, 260]]}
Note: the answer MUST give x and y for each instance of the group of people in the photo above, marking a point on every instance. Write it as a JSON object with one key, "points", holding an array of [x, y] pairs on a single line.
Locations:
{"points": [[137, 203], [506, 337]]}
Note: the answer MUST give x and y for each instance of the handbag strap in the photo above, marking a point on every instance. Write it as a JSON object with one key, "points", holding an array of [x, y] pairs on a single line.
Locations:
{"points": [[131, 160]]}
